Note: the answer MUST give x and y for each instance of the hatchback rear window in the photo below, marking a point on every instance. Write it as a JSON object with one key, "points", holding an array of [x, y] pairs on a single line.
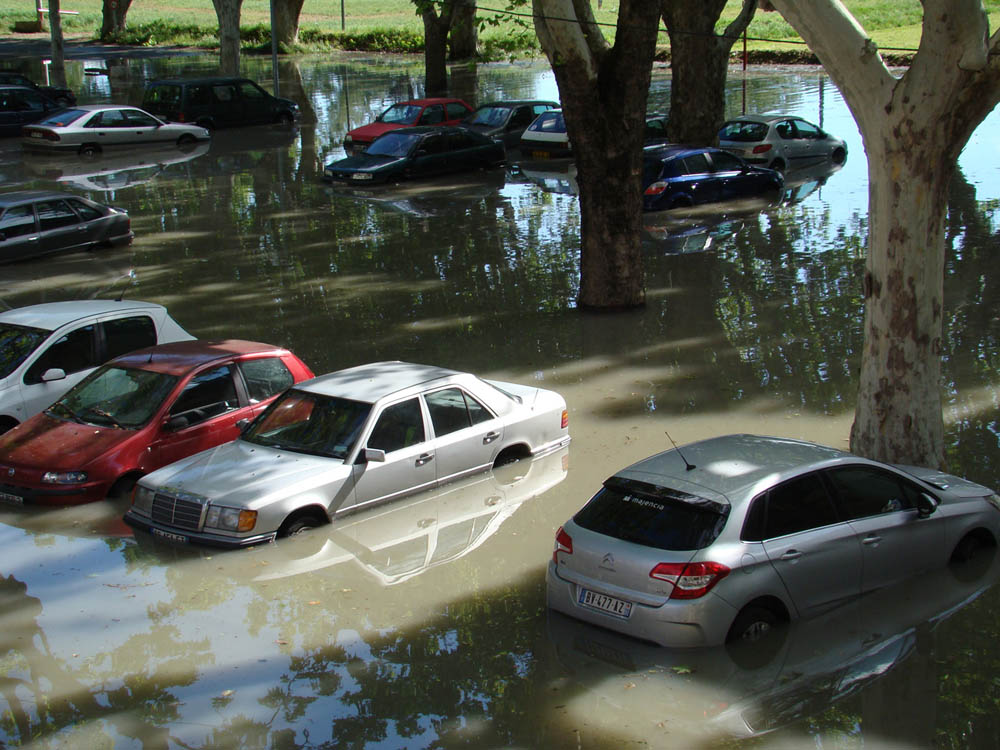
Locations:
{"points": [[748, 132], [653, 516]]}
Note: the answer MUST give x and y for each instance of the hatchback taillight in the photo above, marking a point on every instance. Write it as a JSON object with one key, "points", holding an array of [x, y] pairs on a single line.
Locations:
{"points": [[690, 580], [565, 419], [564, 543], [762, 148], [656, 188]]}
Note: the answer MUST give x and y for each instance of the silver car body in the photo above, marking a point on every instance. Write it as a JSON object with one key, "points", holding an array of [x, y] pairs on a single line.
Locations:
{"points": [[89, 129], [780, 141], [817, 546], [70, 326], [279, 484]]}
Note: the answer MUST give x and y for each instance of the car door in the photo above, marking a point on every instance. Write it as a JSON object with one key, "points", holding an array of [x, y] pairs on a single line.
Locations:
{"points": [[795, 147], [255, 103], [815, 552], [72, 350], [896, 541], [109, 127], [697, 180], [466, 433], [202, 414], [60, 227], [430, 157], [142, 128], [731, 178], [400, 432], [19, 236], [809, 143], [226, 109]]}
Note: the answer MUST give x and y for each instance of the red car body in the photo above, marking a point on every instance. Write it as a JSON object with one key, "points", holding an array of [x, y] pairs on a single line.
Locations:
{"points": [[62, 456], [432, 111]]}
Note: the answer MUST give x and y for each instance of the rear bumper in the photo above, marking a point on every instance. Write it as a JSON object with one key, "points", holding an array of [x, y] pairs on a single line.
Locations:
{"points": [[677, 624]]}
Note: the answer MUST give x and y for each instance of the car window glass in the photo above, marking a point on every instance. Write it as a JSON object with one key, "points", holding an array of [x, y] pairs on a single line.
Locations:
{"points": [[452, 409], [85, 211], [863, 491], [265, 377], [54, 214], [696, 164], [797, 505], [167, 95], [456, 111], [738, 130], [806, 130], [249, 90], [200, 95], [655, 128], [17, 221], [109, 118], [16, 343], [311, 424], [784, 129], [207, 395], [224, 93], [118, 396], [64, 117], [138, 118], [521, 118], [723, 162], [71, 353], [399, 426], [124, 335], [458, 141], [433, 115], [435, 144]]}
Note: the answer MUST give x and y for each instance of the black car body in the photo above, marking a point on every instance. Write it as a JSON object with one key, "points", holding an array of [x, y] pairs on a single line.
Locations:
{"points": [[506, 121], [417, 152], [20, 105], [683, 176], [61, 96], [37, 222], [217, 102]]}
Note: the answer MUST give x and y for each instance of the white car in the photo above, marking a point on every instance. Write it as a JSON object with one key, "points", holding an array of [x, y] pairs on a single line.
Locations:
{"points": [[780, 142], [47, 349], [344, 441]]}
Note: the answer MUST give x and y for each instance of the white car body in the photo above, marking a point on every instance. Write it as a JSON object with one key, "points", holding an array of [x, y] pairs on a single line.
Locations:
{"points": [[24, 391], [302, 465]]}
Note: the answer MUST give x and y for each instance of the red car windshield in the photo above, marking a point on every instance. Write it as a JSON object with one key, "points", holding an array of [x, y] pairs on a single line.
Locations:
{"points": [[120, 397]]}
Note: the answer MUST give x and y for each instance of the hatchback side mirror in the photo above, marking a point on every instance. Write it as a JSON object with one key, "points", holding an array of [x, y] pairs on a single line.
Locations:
{"points": [[53, 373], [926, 505]]}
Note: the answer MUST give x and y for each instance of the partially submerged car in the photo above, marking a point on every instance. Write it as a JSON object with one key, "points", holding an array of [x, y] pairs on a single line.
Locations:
{"points": [[724, 539], [20, 105], [90, 129], [408, 114], [344, 441], [217, 102], [62, 96], [139, 412], [417, 152], [780, 141], [41, 222], [685, 176], [46, 349], [506, 121]]}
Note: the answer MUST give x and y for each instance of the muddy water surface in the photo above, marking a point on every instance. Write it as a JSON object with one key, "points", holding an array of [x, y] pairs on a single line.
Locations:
{"points": [[422, 624]]}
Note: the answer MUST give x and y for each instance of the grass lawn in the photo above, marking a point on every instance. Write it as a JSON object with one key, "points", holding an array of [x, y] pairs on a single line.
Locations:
{"points": [[891, 23]]}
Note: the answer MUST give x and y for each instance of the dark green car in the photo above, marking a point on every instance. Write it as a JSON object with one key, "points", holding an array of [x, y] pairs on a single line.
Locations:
{"points": [[417, 152]]}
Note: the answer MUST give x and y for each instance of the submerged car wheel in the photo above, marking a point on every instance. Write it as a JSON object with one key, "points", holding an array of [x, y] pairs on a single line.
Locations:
{"points": [[298, 525], [778, 165], [186, 139], [752, 624], [7, 423], [89, 150]]}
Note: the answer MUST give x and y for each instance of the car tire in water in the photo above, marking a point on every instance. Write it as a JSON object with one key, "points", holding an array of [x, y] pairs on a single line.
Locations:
{"points": [[778, 165], [186, 140], [753, 623], [298, 525], [7, 423], [89, 150]]}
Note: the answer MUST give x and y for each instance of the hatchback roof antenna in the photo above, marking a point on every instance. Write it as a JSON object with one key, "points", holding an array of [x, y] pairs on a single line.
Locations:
{"points": [[687, 466], [130, 275]]}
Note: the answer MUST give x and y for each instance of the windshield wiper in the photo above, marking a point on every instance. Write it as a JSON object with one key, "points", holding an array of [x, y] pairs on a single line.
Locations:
{"points": [[69, 412], [107, 415]]}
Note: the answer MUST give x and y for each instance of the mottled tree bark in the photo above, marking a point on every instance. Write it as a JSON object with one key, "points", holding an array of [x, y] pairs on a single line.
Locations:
{"points": [[699, 63], [914, 126], [228, 14], [603, 92], [436, 26], [286, 21], [57, 69], [113, 18], [464, 31]]}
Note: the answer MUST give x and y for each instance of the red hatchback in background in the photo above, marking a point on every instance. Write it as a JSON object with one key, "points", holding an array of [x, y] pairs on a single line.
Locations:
{"points": [[434, 111], [141, 411]]}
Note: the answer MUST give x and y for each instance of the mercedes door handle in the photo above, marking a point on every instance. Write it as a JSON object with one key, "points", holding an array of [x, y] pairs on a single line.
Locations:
{"points": [[489, 437], [424, 458]]}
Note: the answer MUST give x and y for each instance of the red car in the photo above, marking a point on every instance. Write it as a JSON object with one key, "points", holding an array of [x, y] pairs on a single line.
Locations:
{"points": [[436, 111], [141, 411]]}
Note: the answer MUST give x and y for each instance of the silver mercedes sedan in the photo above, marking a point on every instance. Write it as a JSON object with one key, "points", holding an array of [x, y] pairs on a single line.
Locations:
{"points": [[345, 441], [723, 539], [88, 130]]}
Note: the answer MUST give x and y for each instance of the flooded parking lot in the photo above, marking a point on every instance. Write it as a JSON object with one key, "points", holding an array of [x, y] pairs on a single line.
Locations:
{"points": [[422, 623]]}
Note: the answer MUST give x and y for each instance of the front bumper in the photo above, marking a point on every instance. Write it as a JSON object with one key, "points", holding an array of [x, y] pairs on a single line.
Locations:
{"points": [[89, 492], [186, 536]]}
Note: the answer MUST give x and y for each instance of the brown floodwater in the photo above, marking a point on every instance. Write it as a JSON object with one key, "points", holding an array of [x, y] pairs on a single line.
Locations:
{"points": [[422, 623]]}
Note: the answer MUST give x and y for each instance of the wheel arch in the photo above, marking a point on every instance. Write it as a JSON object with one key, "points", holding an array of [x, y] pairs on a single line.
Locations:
{"points": [[312, 510], [510, 453]]}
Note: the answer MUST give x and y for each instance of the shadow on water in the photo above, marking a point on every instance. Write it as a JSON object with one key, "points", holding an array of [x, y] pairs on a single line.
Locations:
{"points": [[423, 624]]}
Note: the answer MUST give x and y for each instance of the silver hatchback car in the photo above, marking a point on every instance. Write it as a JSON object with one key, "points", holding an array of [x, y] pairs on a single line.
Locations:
{"points": [[780, 142], [723, 539]]}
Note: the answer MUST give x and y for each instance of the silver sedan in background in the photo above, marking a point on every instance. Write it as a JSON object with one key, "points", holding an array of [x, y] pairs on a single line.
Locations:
{"points": [[90, 129], [780, 142], [723, 539]]}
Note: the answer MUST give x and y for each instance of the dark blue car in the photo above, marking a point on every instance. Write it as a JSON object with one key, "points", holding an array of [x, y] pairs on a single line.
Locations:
{"points": [[417, 152], [683, 176]]}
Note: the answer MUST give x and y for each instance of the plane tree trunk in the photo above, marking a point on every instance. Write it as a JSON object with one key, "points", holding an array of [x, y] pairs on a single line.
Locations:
{"points": [[228, 14]]}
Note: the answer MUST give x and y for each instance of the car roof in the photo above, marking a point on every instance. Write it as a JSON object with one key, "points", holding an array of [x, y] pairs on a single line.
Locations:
{"points": [[204, 79], [418, 130], [376, 380], [663, 151], [99, 107], [51, 315], [430, 100], [519, 103], [764, 119], [20, 196], [734, 465], [179, 357]]}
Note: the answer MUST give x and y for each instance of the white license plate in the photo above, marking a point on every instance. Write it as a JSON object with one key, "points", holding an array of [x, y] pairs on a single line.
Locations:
{"points": [[170, 536], [36, 134], [12, 499], [539, 154], [604, 603], [361, 176]]}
